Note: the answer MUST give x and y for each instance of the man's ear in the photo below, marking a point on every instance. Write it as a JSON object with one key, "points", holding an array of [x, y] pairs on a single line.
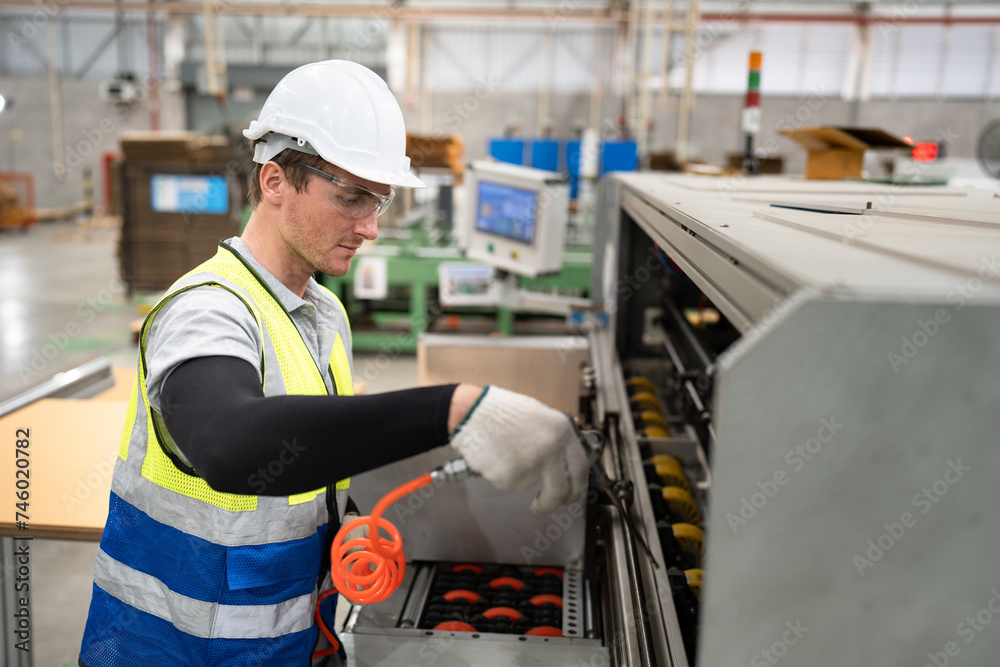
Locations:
{"points": [[273, 184]]}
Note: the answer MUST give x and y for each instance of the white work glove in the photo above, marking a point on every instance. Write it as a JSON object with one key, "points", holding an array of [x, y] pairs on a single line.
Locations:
{"points": [[517, 442]]}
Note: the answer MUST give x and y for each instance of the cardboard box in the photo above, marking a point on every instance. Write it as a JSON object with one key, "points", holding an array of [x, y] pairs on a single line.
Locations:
{"points": [[158, 146], [157, 247], [766, 165], [544, 367], [838, 152], [427, 151]]}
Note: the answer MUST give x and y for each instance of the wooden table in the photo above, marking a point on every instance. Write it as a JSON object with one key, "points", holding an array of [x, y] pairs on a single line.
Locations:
{"points": [[73, 445]]}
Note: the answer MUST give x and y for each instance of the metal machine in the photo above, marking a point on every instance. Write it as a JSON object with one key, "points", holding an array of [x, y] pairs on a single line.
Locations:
{"points": [[830, 349], [808, 371]]}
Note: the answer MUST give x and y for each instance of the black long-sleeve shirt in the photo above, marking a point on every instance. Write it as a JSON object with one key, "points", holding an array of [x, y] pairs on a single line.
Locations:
{"points": [[242, 442]]}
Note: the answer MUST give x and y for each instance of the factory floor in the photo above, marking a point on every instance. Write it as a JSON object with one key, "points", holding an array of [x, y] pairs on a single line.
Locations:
{"points": [[61, 304]]}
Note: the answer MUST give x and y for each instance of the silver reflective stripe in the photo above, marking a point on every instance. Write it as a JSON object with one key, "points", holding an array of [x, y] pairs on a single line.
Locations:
{"points": [[207, 620], [273, 520]]}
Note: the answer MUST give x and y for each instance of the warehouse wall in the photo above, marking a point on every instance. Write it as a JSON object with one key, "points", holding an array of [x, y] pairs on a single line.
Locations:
{"points": [[90, 127], [482, 113]]}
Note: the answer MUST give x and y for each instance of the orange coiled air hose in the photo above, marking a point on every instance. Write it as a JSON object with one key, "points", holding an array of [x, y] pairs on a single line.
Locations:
{"points": [[367, 569], [371, 574]]}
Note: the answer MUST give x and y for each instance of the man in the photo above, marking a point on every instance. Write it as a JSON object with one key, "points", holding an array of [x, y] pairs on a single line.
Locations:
{"points": [[226, 493]]}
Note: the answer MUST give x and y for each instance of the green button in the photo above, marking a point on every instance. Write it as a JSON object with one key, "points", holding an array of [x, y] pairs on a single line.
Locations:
{"points": [[489, 247]]}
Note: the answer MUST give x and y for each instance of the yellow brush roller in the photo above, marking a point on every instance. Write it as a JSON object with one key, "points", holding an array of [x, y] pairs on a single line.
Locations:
{"points": [[638, 383], [666, 459], [691, 539], [655, 432], [667, 466], [653, 418], [681, 503], [695, 577], [647, 401], [671, 475]]}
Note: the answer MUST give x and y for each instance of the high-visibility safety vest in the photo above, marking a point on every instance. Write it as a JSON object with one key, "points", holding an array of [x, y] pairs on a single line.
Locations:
{"points": [[187, 575]]}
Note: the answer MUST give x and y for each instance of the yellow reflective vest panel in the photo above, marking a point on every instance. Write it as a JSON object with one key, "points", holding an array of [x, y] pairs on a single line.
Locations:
{"points": [[187, 575]]}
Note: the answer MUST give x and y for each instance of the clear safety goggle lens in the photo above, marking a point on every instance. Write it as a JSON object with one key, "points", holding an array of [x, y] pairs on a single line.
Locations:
{"points": [[355, 200]]}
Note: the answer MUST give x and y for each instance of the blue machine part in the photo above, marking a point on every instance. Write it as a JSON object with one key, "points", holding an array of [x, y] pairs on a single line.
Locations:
{"points": [[508, 150], [616, 155], [619, 156], [573, 157], [573, 166], [545, 154]]}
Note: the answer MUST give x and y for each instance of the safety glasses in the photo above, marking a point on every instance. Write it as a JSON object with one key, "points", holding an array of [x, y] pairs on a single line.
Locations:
{"points": [[355, 200]]}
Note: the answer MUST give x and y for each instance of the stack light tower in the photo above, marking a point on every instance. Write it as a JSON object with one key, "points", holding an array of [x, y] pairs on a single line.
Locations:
{"points": [[751, 112]]}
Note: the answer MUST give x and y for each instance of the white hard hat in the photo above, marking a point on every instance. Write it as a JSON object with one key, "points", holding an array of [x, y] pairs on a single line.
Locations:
{"points": [[341, 111]]}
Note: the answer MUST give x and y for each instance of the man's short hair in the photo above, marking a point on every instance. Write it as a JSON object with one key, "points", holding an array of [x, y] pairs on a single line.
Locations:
{"points": [[296, 177]]}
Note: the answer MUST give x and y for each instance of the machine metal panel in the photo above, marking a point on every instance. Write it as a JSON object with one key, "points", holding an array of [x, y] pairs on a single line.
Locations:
{"points": [[921, 242], [840, 259], [748, 255], [853, 515], [741, 294], [663, 624], [850, 517], [461, 649], [620, 611], [470, 520]]}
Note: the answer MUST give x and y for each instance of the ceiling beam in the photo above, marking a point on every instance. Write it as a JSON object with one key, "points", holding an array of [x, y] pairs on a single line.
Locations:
{"points": [[345, 11], [556, 14]]}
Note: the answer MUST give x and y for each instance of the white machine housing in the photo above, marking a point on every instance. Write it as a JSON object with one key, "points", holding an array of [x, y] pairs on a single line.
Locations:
{"points": [[514, 218], [851, 516]]}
